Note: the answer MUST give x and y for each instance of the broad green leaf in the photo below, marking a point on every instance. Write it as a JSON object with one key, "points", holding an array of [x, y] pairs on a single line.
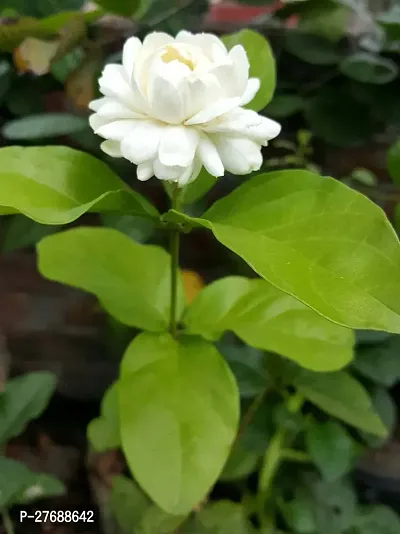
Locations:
{"points": [[137, 228], [377, 519], [331, 449], [56, 185], [46, 125], [311, 48], [128, 503], [284, 105], [380, 363], [300, 512], [247, 364], [268, 319], [262, 63], [179, 413], [316, 239], [393, 162], [342, 396], [369, 68], [19, 485], [133, 510], [210, 312], [24, 398], [131, 281], [20, 231], [338, 118], [104, 431], [222, 517]]}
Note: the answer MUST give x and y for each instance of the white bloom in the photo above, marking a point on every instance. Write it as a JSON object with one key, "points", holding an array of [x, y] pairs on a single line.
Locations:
{"points": [[175, 105]]}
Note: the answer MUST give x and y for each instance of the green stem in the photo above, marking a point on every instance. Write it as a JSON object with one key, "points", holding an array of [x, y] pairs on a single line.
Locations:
{"points": [[248, 416], [174, 251], [291, 455], [274, 456], [8, 525]]}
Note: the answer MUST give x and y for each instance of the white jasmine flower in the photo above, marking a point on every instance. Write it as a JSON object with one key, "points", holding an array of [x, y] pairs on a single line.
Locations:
{"points": [[175, 105]]}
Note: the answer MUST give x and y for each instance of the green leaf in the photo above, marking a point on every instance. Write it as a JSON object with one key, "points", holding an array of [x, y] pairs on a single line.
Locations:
{"points": [[128, 503], [137, 228], [19, 485], [268, 319], [131, 281], [393, 162], [104, 431], [316, 239], [41, 486], [43, 126], [262, 63], [369, 68], [327, 19], [364, 176], [5, 78], [378, 519], [247, 364], [132, 509], [331, 449], [197, 189], [20, 232], [338, 118], [386, 408], [240, 464], [209, 314], [126, 8], [179, 413], [284, 105], [223, 517], [56, 185], [24, 398], [390, 20], [380, 363], [342, 396], [311, 48]]}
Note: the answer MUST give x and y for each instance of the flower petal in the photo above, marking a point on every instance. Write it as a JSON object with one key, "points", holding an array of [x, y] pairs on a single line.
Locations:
{"points": [[253, 86], [190, 174], [145, 171], [114, 83], [166, 101], [214, 110], [111, 148], [141, 144], [209, 157], [97, 122], [238, 155], [130, 52], [241, 69], [116, 130], [164, 172], [178, 146], [114, 109], [246, 123]]}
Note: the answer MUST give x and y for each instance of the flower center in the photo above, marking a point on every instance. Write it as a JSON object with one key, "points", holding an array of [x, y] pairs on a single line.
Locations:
{"points": [[174, 54]]}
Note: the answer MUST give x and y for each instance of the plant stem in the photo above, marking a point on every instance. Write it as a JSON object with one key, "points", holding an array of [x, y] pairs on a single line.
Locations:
{"points": [[274, 455], [174, 251], [8, 525]]}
